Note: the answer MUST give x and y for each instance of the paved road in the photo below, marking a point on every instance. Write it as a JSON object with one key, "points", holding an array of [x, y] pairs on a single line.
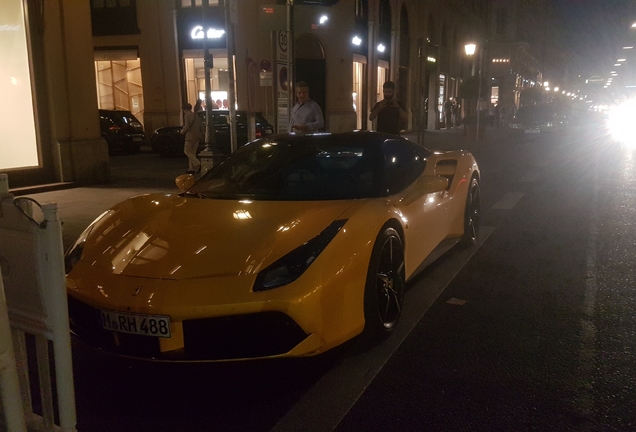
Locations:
{"points": [[531, 330], [545, 338]]}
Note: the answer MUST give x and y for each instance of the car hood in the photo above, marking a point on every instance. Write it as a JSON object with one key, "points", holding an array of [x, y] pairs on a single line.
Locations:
{"points": [[168, 236]]}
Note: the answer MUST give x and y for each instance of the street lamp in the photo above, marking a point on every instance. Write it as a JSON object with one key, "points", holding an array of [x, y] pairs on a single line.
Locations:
{"points": [[470, 49]]}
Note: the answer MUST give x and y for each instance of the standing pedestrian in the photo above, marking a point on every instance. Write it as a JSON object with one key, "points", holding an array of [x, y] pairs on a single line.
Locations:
{"points": [[198, 106], [448, 113], [389, 112], [192, 131], [306, 115], [456, 113]]}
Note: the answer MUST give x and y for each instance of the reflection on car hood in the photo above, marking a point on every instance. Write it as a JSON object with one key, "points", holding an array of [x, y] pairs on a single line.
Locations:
{"points": [[171, 237]]}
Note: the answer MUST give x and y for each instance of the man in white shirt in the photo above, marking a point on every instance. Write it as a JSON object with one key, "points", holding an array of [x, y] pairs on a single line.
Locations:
{"points": [[306, 115], [192, 131]]}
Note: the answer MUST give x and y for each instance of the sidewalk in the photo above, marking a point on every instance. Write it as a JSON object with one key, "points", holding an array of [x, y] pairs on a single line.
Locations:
{"points": [[147, 173]]}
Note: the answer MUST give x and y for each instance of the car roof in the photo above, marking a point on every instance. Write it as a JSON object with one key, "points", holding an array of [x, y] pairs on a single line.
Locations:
{"points": [[105, 111], [354, 137]]}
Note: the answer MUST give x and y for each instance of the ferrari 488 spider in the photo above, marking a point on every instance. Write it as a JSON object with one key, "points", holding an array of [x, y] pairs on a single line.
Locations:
{"points": [[290, 247]]}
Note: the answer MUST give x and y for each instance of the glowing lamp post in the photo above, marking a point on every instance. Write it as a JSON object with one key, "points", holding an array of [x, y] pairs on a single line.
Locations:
{"points": [[470, 50]]}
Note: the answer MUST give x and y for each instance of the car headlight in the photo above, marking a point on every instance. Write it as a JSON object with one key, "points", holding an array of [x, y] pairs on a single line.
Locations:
{"points": [[290, 267], [74, 253]]}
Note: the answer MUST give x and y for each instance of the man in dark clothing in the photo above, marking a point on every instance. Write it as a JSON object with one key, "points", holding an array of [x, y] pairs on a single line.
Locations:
{"points": [[448, 113], [389, 112]]}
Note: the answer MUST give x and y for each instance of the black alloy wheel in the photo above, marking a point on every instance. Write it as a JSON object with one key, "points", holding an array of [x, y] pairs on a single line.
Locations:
{"points": [[384, 291], [472, 214]]}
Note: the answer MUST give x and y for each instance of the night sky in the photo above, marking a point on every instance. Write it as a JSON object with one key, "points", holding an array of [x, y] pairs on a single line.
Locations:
{"points": [[594, 31]]}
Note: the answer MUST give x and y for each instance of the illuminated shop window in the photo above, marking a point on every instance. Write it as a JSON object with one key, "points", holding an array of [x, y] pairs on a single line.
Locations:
{"points": [[383, 76], [18, 146], [494, 95], [194, 3], [119, 86], [358, 75], [219, 81]]}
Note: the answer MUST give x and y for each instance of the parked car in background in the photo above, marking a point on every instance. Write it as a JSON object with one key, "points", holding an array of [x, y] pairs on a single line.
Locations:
{"points": [[121, 130], [168, 141], [537, 119]]}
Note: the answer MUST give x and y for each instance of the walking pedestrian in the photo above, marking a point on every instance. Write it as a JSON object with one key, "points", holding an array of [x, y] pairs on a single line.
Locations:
{"points": [[456, 113], [192, 131], [306, 115], [448, 113], [389, 111]]}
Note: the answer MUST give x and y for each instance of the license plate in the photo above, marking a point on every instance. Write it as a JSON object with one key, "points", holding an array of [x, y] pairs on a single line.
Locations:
{"points": [[144, 325], [137, 139], [533, 131]]}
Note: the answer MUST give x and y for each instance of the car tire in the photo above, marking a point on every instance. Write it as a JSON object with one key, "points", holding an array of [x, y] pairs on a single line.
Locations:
{"points": [[166, 147], [472, 214], [384, 289]]}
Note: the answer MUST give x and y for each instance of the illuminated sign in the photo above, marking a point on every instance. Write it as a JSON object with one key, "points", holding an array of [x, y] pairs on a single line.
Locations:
{"points": [[212, 33]]}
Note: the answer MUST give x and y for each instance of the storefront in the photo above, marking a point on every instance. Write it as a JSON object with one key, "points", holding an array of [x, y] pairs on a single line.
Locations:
{"points": [[359, 65], [195, 36], [118, 80]]}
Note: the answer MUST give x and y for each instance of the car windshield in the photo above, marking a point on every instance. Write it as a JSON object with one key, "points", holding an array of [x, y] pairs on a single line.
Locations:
{"points": [[122, 118], [325, 167]]}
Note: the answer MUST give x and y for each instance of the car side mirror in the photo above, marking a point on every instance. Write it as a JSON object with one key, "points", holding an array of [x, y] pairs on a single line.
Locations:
{"points": [[425, 185], [184, 182]]}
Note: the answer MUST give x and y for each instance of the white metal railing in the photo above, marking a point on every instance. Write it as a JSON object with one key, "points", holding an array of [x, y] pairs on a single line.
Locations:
{"points": [[32, 262]]}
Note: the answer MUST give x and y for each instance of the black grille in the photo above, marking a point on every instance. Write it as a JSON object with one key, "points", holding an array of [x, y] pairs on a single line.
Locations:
{"points": [[242, 336]]}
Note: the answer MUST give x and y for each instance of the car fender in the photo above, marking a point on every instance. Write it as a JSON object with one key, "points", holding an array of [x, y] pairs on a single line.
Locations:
{"points": [[458, 166]]}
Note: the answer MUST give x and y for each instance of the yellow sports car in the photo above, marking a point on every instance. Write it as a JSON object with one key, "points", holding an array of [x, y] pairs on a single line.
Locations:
{"points": [[290, 247]]}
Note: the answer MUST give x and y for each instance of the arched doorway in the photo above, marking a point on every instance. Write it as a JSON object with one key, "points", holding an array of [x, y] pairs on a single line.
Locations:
{"points": [[309, 56]]}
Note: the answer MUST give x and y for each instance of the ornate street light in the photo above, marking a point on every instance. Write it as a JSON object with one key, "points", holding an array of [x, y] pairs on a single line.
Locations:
{"points": [[470, 49]]}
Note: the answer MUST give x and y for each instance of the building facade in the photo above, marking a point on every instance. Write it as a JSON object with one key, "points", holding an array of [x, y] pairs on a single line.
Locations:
{"points": [[148, 57]]}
